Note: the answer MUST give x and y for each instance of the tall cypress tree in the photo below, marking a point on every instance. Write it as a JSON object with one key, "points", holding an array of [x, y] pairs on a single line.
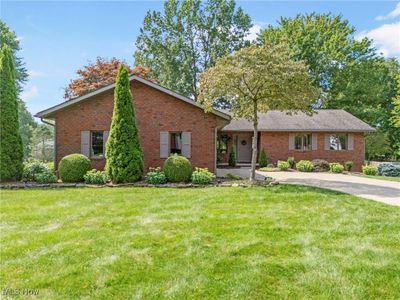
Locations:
{"points": [[123, 152], [11, 151]]}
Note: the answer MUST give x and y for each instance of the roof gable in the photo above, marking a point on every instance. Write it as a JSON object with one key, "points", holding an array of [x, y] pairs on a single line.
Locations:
{"points": [[50, 111]]}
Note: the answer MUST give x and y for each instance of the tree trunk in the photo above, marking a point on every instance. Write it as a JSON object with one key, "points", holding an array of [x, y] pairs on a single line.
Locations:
{"points": [[254, 143]]}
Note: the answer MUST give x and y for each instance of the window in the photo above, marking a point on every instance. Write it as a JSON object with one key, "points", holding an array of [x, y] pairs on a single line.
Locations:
{"points": [[175, 143], [303, 142], [338, 141], [222, 144], [96, 144]]}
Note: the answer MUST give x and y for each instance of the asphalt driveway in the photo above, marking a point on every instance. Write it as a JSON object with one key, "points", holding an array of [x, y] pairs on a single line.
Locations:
{"points": [[374, 189]]}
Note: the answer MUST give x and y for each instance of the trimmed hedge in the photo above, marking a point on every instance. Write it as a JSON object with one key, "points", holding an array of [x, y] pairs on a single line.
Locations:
{"points": [[177, 168], [73, 167]]}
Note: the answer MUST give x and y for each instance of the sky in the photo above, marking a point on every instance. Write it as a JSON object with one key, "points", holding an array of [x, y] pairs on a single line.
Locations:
{"points": [[57, 38]]}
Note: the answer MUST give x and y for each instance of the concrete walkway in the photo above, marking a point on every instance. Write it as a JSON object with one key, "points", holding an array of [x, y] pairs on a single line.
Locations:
{"points": [[374, 189]]}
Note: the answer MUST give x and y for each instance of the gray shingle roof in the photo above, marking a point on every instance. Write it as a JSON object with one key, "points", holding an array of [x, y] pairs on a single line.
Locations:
{"points": [[322, 120]]}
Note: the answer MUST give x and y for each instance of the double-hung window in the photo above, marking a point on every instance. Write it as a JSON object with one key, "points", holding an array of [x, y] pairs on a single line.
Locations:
{"points": [[303, 141], [96, 144], [338, 141]]}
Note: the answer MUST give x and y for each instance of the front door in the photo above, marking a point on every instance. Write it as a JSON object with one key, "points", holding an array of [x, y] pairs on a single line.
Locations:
{"points": [[244, 147]]}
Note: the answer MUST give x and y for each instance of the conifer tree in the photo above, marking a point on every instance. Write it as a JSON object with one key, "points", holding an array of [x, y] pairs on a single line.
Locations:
{"points": [[123, 152], [11, 151]]}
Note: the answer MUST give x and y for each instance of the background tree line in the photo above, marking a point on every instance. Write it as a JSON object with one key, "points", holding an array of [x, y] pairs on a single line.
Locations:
{"points": [[178, 44]]}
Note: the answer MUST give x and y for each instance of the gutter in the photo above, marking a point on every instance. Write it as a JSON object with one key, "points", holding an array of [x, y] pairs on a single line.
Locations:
{"points": [[46, 122]]}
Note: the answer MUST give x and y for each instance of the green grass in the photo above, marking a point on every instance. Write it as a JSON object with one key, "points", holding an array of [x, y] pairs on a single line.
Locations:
{"points": [[387, 178], [229, 243]]}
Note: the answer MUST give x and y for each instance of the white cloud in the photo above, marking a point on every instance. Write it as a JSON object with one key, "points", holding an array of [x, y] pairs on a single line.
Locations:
{"points": [[27, 95], [393, 14], [33, 73], [386, 38]]}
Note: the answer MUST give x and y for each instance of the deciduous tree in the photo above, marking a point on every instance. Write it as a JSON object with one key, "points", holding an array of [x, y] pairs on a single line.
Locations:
{"points": [[187, 38], [258, 79], [123, 152], [98, 74], [11, 151]]}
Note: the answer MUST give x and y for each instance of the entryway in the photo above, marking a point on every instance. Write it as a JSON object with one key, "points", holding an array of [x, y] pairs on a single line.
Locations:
{"points": [[243, 147]]}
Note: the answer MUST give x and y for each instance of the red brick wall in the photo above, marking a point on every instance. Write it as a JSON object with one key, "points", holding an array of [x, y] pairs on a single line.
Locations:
{"points": [[155, 112], [277, 146]]}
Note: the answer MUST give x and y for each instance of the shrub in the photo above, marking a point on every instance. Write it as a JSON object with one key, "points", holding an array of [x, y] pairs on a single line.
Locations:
{"points": [[177, 168], [369, 170], [123, 152], [320, 165], [336, 168], [95, 177], [263, 160], [156, 176], [304, 166], [202, 176], [233, 176], [283, 165], [11, 149], [73, 167], [348, 165], [291, 162], [33, 168], [232, 158], [46, 177], [388, 169]]}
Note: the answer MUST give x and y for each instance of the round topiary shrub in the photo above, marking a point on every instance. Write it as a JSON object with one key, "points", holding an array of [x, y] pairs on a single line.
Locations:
{"points": [[320, 165], [177, 168], [73, 167]]}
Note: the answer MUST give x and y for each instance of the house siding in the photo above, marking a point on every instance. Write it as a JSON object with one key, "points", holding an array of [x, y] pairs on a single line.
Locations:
{"points": [[276, 144], [155, 112]]}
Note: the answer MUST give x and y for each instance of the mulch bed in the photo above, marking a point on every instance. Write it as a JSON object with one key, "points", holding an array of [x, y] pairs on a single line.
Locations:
{"points": [[219, 182]]}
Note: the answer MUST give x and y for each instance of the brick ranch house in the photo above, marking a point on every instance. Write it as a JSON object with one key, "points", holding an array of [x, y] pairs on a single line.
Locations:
{"points": [[171, 123]]}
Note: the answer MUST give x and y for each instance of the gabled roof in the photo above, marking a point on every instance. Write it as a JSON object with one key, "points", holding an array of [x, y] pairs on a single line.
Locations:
{"points": [[336, 120], [47, 113]]}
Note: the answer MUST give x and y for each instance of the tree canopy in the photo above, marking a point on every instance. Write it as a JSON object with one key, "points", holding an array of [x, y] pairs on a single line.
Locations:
{"points": [[97, 74], [187, 38], [258, 79], [350, 72]]}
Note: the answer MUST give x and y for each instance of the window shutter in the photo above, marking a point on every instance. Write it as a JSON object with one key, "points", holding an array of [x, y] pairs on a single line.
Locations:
{"points": [[85, 143], [105, 137], [350, 141], [327, 141], [186, 144], [291, 141], [314, 141], [164, 144]]}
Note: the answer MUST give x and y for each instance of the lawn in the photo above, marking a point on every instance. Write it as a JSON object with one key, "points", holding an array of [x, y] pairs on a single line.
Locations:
{"points": [[387, 178], [119, 243]]}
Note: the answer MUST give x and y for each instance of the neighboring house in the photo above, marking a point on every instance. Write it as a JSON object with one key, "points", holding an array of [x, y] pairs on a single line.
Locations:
{"points": [[171, 123]]}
